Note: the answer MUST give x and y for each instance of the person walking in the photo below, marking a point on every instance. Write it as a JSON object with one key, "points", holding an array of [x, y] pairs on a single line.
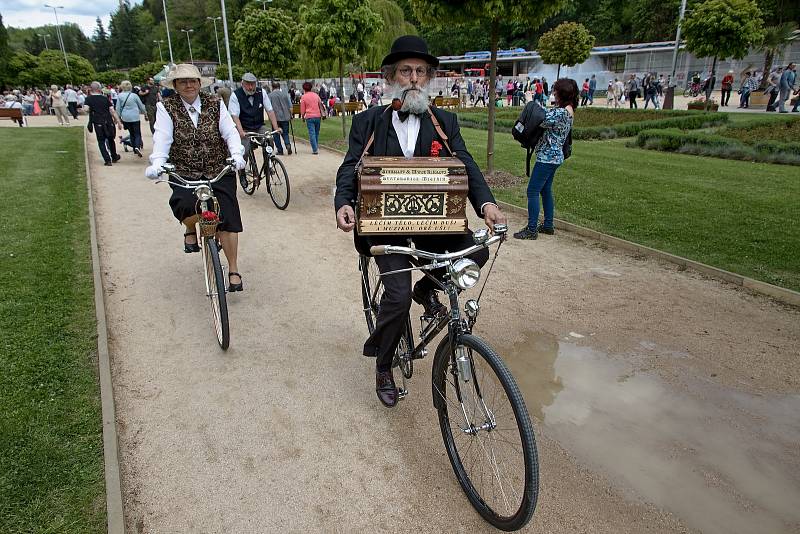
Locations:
{"points": [[282, 106], [585, 92], [787, 86], [650, 91], [727, 86], [312, 111], [58, 105], [619, 92], [610, 98], [71, 98], [546, 91], [129, 108], [557, 125], [632, 90], [102, 118], [592, 89], [773, 88], [149, 95]]}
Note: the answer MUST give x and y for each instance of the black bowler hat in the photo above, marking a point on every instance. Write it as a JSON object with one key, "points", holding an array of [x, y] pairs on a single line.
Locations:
{"points": [[409, 46]]}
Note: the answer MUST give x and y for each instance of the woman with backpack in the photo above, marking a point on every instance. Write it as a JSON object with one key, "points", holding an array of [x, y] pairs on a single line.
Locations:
{"points": [[550, 148]]}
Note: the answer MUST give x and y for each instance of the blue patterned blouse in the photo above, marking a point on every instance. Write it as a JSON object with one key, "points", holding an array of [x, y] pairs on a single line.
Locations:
{"points": [[557, 124]]}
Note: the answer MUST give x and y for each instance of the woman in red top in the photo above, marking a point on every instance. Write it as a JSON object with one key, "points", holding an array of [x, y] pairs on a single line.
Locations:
{"points": [[727, 85], [585, 92], [311, 111]]}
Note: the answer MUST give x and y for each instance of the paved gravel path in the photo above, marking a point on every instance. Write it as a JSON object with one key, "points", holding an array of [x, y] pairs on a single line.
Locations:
{"points": [[663, 401]]}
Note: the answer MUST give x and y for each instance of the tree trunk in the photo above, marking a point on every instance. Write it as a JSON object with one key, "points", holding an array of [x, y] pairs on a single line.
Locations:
{"points": [[492, 105], [341, 92], [769, 57], [558, 72], [711, 83]]}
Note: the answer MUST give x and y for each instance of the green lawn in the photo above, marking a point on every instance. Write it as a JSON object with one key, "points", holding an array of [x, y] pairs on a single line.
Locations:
{"points": [[51, 455], [739, 216]]}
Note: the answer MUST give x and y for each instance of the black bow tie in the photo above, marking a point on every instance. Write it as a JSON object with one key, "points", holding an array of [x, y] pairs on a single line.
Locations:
{"points": [[403, 115]]}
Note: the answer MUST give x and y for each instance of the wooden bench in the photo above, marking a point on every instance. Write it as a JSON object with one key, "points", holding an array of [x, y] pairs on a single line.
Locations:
{"points": [[12, 114], [349, 107], [447, 102]]}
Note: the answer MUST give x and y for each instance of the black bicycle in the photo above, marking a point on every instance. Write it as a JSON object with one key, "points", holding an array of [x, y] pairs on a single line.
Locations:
{"points": [[206, 229], [482, 416], [272, 170]]}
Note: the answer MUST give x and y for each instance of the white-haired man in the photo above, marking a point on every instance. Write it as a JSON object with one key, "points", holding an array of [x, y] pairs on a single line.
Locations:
{"points": [[102, 118], [408, 131]]}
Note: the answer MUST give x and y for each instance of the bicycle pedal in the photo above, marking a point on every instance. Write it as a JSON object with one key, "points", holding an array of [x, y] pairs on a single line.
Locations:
{"points": [[401, 393]]}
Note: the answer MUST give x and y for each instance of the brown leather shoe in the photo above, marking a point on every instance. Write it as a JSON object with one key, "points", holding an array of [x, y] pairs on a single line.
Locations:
{"points": [[385, 388]]}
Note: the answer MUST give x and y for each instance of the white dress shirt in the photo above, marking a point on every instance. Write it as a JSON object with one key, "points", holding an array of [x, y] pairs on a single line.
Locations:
{"points": [[163, 136], [407, 132], [233, 103]]}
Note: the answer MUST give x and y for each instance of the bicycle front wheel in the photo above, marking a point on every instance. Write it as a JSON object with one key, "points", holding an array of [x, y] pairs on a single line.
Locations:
{"points": [[278, 183], [487, 433], [215, 291]]}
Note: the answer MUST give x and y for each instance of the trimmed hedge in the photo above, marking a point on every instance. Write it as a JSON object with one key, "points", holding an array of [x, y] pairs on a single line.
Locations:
{"points": [[703, 144], [689, 121]]}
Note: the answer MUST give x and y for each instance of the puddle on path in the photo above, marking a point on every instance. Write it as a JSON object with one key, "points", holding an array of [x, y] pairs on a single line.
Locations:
{"points": [[721, 460]]}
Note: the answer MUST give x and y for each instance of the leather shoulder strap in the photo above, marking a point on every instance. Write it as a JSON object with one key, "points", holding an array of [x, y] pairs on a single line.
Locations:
{"points": [[439, 130]]}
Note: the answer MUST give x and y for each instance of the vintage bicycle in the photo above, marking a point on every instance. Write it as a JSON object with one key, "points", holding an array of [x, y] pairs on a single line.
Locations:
{"points": [[206, 228], [485, 425], [272, 170]]}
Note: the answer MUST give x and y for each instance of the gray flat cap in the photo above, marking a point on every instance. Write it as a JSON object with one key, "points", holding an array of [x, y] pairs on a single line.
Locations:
{"points": [[249, 77]]}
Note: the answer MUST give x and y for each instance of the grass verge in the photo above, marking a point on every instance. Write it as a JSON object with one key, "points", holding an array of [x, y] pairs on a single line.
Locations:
{"points": [[735, 215], [51, 455]]}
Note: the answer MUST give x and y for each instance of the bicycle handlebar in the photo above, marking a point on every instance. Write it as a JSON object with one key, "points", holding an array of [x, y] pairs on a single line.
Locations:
{"points": [[381, 250], [261, 135], [169, 170]]}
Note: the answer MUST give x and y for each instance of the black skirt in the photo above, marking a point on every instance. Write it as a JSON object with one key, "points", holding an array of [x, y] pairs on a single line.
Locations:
{"points": [[184, 203]]}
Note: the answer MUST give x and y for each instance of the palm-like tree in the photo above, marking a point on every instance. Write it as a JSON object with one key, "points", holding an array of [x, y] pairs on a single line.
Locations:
{"points": [[776, 39]]}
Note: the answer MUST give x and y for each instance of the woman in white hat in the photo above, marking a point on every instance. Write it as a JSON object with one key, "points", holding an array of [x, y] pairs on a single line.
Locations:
{"points": [[12, 103], [195, 132], [59, 105]]}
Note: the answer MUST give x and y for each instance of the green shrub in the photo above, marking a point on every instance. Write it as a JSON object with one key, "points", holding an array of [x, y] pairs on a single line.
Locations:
{"points": [[703, 144], [754, 131]]}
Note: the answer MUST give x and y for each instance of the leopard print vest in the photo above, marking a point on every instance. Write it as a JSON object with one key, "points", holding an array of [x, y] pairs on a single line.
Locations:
{"points": [[196, 151]]}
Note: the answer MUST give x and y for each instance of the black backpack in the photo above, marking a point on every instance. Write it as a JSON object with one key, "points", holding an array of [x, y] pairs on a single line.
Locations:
{"points": [[527, 130]]}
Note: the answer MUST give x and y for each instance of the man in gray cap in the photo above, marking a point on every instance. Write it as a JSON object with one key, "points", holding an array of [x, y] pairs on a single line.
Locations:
{"points": [[247, 106]]}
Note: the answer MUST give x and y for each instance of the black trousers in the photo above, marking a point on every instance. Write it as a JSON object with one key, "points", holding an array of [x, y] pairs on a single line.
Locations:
{"points": [[105, 141], [151, 118], [396, 300], [632, 99], [726, 97], [773, 96], [73, 109]]}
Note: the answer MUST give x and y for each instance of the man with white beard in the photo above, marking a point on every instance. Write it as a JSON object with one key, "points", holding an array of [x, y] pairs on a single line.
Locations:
{"points": [[408, 127]]}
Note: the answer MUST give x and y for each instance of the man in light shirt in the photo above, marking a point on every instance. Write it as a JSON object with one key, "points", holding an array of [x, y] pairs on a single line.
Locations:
{"points": [[247, 106], [71, 98]]}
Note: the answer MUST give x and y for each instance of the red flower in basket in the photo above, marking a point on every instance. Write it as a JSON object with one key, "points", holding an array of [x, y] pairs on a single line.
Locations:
{"points": [[209, 216], [436, 146]]}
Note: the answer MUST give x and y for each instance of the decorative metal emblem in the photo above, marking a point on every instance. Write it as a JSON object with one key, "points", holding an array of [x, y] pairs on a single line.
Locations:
{"points": [[414, 204]]}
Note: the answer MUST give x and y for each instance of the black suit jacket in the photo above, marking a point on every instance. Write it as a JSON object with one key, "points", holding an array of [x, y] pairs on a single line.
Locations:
{"points": [[378, 119]]}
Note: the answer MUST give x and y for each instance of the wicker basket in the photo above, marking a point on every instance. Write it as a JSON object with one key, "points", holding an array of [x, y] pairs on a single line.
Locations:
{"points": [[208, 228]]}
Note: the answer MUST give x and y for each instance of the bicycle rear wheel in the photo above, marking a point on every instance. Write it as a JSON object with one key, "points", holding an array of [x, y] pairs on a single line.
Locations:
{"points": [[371, 293], [215, 291], [248, 177], [278, 183], [487, 433]]}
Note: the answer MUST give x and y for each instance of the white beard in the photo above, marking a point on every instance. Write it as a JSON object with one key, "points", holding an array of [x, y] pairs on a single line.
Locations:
{"points": [[416, 101]]}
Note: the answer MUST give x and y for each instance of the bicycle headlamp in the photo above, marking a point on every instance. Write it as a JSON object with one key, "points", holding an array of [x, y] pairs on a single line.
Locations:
{"points": [[465, 273], [204, 192], [268, 149]]}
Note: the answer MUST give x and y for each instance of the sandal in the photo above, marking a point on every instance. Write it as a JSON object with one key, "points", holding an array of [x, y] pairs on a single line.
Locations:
{"points": [[234, 287], [188, 248]]}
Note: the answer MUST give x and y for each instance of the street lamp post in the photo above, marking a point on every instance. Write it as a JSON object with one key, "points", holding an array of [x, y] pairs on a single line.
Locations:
{"points": [[58, 33], [169, 39], [160, 55], [44, 36], [227, 43], [264, 3], [669, 99], [216, 37], [187, 32]]}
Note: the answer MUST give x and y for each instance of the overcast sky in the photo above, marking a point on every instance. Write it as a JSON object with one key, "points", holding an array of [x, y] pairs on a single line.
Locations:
{"points": [[31, 13]]}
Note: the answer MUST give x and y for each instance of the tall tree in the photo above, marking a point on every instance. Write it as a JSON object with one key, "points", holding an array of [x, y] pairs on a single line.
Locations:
{"points": [[722, 29], [5, 52], [130, 35], [275, 57], [568, 44], [102, 47], [394, 25], [443, 13], [341, 29]]}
